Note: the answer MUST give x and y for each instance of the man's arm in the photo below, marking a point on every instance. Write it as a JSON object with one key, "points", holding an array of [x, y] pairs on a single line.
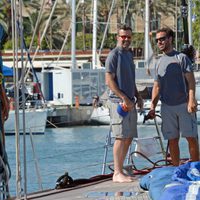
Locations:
{"points": [[110, 82], [154, 99], [155, 95], [192, 103], [5, 103], [139, 101]]}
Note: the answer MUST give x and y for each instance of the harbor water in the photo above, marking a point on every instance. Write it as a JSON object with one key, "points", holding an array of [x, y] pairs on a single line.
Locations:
{"points": [[76, 150]]}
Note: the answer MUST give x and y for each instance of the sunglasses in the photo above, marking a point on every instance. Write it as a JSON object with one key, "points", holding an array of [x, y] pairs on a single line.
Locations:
{"points": [[161, 39], [124, 37]]}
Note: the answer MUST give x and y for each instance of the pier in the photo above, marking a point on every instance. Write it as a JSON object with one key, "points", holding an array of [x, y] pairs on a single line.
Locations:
{"points": [[62, 116]]}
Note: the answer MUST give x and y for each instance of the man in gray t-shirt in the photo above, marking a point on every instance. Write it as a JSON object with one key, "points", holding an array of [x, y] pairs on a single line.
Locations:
{"points": [[174, 84], [120, 78]]}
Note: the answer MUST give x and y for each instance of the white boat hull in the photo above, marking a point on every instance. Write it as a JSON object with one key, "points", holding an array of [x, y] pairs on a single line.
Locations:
{"points": [[35, 121], [101, 115]]}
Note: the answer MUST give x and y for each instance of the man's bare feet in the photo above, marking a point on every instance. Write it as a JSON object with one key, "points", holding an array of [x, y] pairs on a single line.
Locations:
{"points": [[121, 178]]}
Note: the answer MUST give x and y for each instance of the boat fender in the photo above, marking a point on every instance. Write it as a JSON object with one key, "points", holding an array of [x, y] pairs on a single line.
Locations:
{"points": [[64, 181]]}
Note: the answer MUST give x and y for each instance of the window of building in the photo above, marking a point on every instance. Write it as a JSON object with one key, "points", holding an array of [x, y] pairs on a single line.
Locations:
{"points": [[155, 22]]}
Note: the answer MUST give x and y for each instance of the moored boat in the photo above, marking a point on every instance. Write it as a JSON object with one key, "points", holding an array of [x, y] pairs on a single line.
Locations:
{"points": [[100, 115], [103, 189], [35, 121]]}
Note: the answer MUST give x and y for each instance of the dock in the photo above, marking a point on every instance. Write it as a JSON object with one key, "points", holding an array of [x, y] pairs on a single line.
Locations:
{"points": [[62, 116]]}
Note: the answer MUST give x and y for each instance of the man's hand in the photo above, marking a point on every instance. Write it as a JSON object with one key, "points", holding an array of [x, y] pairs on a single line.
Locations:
{"points": [[151, 114], [192, 106], [128, 103]]}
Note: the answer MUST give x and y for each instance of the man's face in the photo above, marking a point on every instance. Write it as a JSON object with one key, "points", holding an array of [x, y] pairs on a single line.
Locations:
{"points": [[163, 42], [124, 38]]}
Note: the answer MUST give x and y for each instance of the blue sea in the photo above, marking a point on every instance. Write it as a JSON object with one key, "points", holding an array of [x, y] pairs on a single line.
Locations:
{"points": [[76, 150]]}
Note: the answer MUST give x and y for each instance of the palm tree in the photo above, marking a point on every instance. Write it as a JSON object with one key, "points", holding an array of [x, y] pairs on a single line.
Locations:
{"points": [[5, 16], [166, 7], [196, 25], [54, 35], [83, 11]]}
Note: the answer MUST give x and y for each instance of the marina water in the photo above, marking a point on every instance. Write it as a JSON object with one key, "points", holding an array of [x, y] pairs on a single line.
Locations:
{"points": [[76, 150]]}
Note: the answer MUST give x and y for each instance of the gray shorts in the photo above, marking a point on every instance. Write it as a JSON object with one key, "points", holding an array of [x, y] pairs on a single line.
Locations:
{"points": [[123, 127], [177, 121]]}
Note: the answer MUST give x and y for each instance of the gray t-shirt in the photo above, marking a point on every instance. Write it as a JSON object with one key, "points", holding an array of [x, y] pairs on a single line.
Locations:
{"points": [[120, 62], [170, 70]]}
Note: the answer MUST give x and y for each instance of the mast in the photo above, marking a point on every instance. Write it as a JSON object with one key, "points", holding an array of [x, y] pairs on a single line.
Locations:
{"points": [[184, 13], [94, 41], [73, 36], [16, 95], [146, 51], [190, 21], [176, 25], [188, 49], [20, 30], [67, 34]]}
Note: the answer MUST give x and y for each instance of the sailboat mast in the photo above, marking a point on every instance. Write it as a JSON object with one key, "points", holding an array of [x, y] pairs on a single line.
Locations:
{"points": [[73, 36], [22, 88], [146, 51], [67, 33], [94, 41], [184, 13], [14, 12], [190, 21]]}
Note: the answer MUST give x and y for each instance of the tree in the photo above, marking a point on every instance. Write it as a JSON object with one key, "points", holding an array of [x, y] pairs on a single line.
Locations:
{"points": [[55, 34], [5, 16], [83, 11], [196, 24]]}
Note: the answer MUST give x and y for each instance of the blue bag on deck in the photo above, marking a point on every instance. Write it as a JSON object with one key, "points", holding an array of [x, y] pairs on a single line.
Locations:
{"points": [[174, 183], [187, 173], [156, 180]]}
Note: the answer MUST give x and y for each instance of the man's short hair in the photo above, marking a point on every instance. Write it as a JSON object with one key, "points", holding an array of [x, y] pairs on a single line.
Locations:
{"points": [[168, 31], [124, 27]]}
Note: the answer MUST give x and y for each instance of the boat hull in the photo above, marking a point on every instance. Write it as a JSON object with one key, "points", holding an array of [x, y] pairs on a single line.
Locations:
{"points": [[35, 121], [101, 115]]}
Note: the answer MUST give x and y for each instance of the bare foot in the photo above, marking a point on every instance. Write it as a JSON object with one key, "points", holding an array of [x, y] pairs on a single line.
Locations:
{"points": [[121, 178]]}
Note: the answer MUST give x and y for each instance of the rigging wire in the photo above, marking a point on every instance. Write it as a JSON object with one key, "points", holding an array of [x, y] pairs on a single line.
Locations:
{"points": [[126, 11], [105, 31], [43, 35], [36, 27]]}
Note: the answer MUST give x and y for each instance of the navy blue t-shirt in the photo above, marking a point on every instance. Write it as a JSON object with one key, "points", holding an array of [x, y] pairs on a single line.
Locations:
{"points": [[120, 62], [170, 73]]}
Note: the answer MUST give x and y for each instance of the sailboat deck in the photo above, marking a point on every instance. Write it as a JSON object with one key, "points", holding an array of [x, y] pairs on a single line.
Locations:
{"points": [[101, 190]]}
